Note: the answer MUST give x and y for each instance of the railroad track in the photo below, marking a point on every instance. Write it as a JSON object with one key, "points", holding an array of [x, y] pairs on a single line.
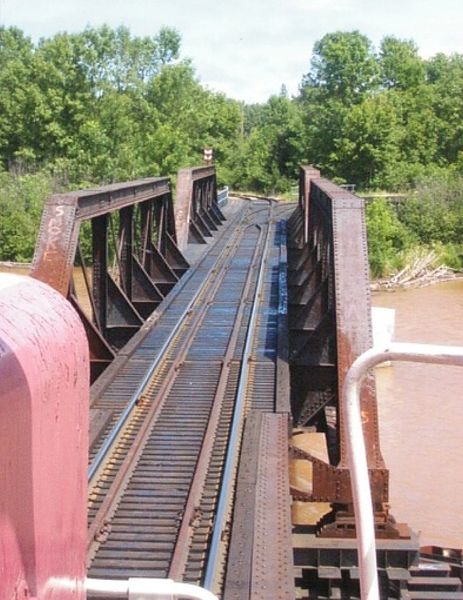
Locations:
{"points": [[155, 503]]}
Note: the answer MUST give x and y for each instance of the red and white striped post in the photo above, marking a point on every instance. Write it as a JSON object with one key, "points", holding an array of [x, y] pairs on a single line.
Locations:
{"points": [[208, 155]]}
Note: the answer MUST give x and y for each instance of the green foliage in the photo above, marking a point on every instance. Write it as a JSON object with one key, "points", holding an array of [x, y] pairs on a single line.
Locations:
{"points": [[381, 120], [270, 153], [21, 203], [368, 144], [450, 255], [343, 66], [400, 66], [435, 211], [431, 218], [96, 107], [104, 105], [387, 238]]}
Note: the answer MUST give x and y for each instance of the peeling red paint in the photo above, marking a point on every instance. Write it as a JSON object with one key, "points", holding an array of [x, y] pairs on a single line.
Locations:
{"points": [[43, 443]]}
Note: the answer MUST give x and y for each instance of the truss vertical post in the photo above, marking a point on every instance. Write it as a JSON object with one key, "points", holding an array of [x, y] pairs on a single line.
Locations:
{"points": [[126, 243], [100, 268]]}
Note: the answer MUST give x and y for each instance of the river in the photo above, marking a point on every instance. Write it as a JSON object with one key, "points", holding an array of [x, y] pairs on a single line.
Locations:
{"points": [[421, 416], [79, 282]]}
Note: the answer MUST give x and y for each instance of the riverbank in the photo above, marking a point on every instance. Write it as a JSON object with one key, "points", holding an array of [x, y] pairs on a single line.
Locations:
{"points": [[439, 275], [423, 269]]}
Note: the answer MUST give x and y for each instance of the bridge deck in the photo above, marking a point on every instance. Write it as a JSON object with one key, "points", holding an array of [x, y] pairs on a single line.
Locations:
{"points": [[153, 499]]}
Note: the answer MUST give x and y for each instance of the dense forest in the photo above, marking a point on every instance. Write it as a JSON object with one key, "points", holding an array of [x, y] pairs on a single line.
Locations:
{"points": [[104, 105]]}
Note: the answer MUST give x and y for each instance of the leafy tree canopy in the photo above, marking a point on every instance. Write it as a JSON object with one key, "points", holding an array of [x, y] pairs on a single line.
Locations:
{"points": [[343, 66]]}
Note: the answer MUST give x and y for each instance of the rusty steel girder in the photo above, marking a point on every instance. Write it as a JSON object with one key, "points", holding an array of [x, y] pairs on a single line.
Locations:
{"points": [[197, 213], [132, 263], [306, 174], [330, 326]]}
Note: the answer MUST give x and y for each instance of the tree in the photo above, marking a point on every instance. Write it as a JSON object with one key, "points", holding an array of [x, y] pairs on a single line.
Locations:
{"points": [[445, 77], [16, 54], [115, 59], [343, 67], [21, 202], [343, 73], [367, 151], [272, 151], [400, 66], [387, 236]]}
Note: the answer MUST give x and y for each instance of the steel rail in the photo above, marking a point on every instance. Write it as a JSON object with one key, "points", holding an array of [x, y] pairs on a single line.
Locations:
{"points": [[210, 578], [125, 470], [156, 411], [364, 517], [138, 431], [118, 484], [115, 431], [179, 556]]}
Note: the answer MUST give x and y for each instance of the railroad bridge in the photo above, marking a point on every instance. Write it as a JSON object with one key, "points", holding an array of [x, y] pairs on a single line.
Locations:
{"points": [[216, 333]]}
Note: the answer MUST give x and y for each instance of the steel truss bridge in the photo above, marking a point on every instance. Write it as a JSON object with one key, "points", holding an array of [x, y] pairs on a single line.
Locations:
{"points": [[220, 334]]}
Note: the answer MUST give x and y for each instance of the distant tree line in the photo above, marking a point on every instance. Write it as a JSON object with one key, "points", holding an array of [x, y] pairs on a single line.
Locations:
{"points": [[104, 105], [382, 119]]}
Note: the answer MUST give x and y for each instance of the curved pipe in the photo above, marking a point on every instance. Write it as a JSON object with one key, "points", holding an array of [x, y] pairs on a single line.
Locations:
{"points": [[107, 588], [364, 518], [140, 588]]}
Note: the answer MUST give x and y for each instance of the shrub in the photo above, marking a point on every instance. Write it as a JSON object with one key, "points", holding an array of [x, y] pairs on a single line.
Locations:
{"points": [[387, 237], [21, 202]]}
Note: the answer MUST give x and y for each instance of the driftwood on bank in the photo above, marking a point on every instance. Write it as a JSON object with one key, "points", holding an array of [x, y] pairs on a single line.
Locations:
{"points": [[421, 272]]}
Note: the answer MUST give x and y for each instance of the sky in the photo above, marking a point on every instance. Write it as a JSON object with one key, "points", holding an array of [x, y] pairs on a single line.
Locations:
{"points": [[248, 49]]}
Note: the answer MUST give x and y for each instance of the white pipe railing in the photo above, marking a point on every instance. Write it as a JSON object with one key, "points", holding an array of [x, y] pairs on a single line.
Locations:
{"points": [[141, 588], [222, 197], [364, 517]]}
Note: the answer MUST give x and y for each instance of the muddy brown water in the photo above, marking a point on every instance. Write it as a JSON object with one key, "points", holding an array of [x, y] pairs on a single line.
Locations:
{"points": [[421, 413], [79, 282]]}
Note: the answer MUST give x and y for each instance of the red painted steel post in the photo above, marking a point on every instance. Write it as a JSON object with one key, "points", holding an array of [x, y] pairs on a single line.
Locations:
{"points": [[183, 206], [194, 212], [44, 395]]}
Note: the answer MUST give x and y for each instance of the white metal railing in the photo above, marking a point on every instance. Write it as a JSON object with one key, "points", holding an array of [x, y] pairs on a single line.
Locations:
{"points": [[140, 588], [222, 197], [364, 518]]}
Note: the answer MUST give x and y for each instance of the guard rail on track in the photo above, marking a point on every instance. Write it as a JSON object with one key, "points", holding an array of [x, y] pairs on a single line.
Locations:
{"points": [[235, 431]]}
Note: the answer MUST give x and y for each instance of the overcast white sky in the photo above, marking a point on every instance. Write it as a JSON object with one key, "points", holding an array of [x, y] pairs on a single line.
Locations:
{"points": [[249, 48]]}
